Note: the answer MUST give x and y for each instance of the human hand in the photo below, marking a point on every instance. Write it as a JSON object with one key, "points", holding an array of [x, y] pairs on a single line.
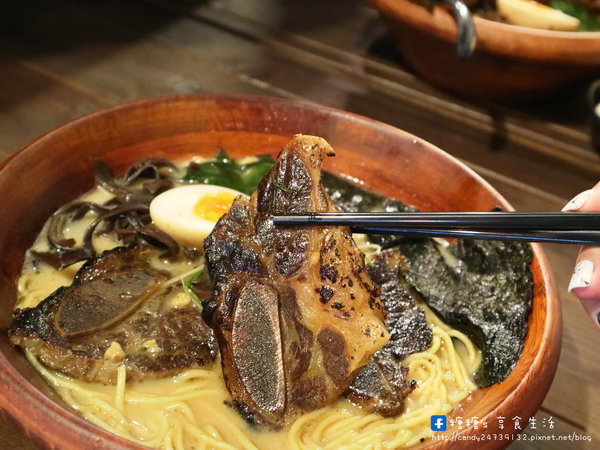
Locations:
{"points": [[585, 282]]}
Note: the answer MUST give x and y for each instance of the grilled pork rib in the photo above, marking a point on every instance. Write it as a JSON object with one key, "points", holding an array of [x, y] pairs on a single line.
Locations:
{"points": [[382, 385], [115, 298], [296, 313]]}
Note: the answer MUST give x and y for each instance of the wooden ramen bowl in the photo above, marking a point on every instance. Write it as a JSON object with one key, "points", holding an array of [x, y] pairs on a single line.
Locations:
{"points": [[54, 169], [510, 63]]}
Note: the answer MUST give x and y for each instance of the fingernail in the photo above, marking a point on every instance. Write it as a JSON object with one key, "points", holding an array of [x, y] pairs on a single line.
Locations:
{"points": [[593, 309], [578, 201], [582, 276]]}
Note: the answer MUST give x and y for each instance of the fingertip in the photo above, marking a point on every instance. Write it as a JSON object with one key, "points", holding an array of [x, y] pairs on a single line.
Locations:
{"points": [[582, 280], [585, 282], [591, 200], [586, 293], [579, 201], [591, 305]]}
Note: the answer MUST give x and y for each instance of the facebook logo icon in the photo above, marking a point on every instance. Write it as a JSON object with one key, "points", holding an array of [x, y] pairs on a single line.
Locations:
{"points": [[438, 423]]}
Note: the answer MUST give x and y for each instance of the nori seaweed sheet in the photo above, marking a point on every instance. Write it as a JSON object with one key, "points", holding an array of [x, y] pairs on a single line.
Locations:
{"points": [[349, 197], [382, 385], [409, 331], [482, 288], [485, 292]]}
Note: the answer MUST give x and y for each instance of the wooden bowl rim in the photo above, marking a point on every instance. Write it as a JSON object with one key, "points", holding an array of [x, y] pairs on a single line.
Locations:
{"points": [[533, 43], [18, 394]]}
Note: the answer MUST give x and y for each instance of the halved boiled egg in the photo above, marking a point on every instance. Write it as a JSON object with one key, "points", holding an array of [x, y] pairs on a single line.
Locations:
{"points": [[529, 13], [189, 213]]}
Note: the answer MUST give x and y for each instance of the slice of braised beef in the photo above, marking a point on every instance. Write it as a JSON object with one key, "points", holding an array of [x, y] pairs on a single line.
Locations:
{"points": [[382, 385], [296, 315], [116, 298]]}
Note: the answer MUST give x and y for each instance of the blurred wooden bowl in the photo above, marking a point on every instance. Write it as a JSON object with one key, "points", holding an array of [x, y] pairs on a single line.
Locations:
{"points": [[510, 63], [55, 169]]}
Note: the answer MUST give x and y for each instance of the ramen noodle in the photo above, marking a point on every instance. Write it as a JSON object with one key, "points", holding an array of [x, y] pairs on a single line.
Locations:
{"points": [[192, 410]]}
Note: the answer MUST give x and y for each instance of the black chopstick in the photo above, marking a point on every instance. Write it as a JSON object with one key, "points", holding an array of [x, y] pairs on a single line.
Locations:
{"points": [[461, 220], [570, 228], [560, 237]]}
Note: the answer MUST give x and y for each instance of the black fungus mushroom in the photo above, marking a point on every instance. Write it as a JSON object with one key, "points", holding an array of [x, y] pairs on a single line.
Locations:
{"points": [[126, 214]]}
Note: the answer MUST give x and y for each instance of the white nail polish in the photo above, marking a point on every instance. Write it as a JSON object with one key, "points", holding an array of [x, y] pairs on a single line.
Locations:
{"points": [[578, 201], [582, 276]]}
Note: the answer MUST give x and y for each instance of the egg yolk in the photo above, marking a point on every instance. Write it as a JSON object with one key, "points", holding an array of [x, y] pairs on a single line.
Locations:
{"points": [[212, 206]]}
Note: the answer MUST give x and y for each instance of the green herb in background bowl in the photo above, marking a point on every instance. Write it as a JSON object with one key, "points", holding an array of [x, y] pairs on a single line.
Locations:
{"points": [[588, 20]]}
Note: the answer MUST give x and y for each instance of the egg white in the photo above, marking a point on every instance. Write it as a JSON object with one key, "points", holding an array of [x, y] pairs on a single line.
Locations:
{"points": [[173, 212]]}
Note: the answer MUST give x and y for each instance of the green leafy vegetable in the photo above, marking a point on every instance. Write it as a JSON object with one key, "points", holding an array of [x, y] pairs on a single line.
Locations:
{"points": [[589, 21], [196, 282], [225, 171]]}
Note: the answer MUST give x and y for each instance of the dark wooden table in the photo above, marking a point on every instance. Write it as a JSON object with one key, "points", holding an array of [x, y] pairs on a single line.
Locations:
{"points": [[62, 59]]}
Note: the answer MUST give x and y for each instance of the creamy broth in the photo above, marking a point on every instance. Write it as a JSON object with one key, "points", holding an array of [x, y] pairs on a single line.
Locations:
{"points": [[192, 409]]}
